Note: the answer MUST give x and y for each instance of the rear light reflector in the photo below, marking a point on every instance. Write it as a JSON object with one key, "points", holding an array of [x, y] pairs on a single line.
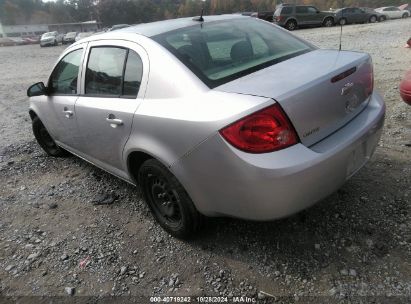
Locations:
{"points": [[264, 131]]}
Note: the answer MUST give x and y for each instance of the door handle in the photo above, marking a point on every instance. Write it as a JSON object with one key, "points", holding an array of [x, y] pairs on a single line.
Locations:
{"points": [[114, 122], [68, 113]]}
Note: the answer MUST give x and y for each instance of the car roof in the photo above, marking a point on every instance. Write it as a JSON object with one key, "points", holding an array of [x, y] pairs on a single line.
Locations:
{"points": [[156, 28], [160, 27]]}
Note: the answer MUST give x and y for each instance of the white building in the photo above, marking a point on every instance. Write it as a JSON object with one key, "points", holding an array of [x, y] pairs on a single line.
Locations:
{"points": [[39, 29]]}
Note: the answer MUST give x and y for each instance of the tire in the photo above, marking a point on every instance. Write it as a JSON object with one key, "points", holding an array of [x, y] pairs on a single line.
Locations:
{"points": [[291, 25], [404, 15], [342, 21], [373, 19], [168, 201], [382, 19], [45, 141], [328, 22]]}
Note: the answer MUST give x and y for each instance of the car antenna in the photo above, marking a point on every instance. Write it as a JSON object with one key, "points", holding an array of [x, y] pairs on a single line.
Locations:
{"points": [[200, 18], [341, 26]]}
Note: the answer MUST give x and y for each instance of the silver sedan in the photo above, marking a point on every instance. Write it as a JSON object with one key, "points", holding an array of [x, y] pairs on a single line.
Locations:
{"points": [[221, 116]]}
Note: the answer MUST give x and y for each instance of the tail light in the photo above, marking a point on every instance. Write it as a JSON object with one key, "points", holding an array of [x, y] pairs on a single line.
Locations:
{"points": [[264, 131], [367, 76]]}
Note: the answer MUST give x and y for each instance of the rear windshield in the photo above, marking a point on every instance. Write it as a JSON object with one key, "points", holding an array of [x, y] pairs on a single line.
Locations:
{"points": [[221, 51]]}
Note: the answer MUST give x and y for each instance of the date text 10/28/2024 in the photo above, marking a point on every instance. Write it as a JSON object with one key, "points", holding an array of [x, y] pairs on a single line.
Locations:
{"points": [[203, 299]]}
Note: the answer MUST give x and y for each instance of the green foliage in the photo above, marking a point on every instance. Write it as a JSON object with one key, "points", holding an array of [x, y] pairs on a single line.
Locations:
{"points": [[111, 12]]}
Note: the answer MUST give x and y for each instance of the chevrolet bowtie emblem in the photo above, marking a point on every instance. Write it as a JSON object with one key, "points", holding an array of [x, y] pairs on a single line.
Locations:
{"points": [[347, 89]]}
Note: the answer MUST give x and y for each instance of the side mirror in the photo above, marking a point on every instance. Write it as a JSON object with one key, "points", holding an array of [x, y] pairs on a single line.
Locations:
{"points": [[37, 89]]}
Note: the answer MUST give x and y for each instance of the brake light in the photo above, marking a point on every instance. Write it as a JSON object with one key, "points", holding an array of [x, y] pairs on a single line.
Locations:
{"points": [[367, 78], [264, 131]]}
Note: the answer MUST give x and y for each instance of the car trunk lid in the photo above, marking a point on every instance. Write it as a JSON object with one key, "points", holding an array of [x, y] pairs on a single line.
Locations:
{"points": [[320, 91]]}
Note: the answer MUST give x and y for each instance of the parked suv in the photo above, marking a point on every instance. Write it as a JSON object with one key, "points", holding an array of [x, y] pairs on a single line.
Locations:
{"points": [[293, 16]]}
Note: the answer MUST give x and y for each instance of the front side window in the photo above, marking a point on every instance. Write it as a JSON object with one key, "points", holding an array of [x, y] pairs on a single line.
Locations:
{"points": [[312, 10], [113, 71], [221, 51], [63, 80]]}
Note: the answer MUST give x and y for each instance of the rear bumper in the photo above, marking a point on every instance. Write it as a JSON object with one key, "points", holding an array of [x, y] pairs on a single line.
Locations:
{"points": [[224, 181]]}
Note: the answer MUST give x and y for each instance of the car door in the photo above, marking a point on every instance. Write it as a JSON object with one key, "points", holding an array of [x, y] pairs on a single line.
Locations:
{"points": [[301, 14], [359, 15], [314, 17], [389, 12], [63, 91], [113, 86]]}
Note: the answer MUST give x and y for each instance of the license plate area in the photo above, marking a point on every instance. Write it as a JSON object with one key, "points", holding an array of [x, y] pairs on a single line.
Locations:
{"points": [[357, 158]]}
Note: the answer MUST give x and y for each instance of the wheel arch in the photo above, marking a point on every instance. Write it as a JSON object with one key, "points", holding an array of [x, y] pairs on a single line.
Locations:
{"points": [[32, 114]]}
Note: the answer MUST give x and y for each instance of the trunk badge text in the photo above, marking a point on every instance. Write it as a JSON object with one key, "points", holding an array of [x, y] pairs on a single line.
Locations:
{"points": [[353, 101]]}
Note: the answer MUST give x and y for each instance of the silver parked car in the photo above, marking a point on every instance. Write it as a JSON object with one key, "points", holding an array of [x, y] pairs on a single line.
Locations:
{"points": [[50, 39], [230, 116]]}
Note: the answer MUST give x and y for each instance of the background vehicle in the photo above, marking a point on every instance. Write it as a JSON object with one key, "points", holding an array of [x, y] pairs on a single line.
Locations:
{"points": [[291, 17], [349, 15], [405, 88], [406, 7], [50, 38], [83, 35], [231, 137], [5, 41], [118, 27], [69, 38], [380, 17], [393, 12], [267, 16]]}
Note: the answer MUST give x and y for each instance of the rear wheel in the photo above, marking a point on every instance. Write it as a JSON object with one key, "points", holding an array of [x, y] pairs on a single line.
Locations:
{"points": [[404, 15], [343, 21], [45, 141], [328, 22], [373, 19], [168, 201], [291, 25]]}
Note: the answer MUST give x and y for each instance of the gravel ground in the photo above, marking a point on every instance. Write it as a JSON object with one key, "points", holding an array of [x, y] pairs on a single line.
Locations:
{"points": [[353, 247]]}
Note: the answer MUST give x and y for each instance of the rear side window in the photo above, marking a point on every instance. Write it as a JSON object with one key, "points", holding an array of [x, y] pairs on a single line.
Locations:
{"points": [[132, 75], [113, 71], [63, 80], [218, 52], [301, 10], [104, 75], [287, 10]]}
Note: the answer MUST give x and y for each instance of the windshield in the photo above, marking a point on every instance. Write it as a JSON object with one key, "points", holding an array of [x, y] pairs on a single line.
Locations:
{"points": [[51, 34], [219, 52]]}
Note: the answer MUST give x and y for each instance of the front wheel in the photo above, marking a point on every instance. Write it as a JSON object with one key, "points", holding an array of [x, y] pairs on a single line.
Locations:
{"points": [[168, 200], [328, 22], [291, 25], [45, 140], [404, 16], [382, 19], [373, 19]]}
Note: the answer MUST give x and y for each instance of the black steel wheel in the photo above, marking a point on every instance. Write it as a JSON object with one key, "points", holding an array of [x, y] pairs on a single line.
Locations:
{"points": [[168, 201], [45, 140]]}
